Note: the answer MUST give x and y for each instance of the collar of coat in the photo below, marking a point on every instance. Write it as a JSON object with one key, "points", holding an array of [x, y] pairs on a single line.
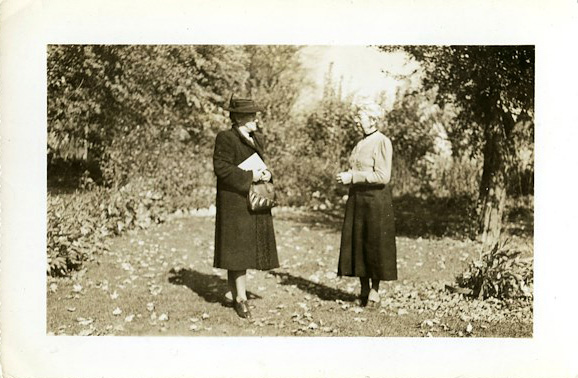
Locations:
{"points": [[257, 146]]}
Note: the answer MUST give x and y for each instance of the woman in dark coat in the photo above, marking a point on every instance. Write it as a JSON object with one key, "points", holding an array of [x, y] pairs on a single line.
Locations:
{"points": [[243, 239], [368, 248]]}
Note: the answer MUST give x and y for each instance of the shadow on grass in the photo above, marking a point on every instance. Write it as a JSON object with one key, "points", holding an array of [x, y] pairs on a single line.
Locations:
{"points": [[429, 217], [520, 216], [323, 292], [331, 220], [210, 287], [434, 216], [455, 216], [414, 217]]}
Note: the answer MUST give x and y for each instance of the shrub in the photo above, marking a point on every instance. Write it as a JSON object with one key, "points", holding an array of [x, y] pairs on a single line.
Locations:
{"points": [[74, 231], [78, 223], [500, 273]]}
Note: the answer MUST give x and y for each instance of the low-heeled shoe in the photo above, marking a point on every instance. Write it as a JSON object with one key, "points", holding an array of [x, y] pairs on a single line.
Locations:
{"points": [[242, 309]]}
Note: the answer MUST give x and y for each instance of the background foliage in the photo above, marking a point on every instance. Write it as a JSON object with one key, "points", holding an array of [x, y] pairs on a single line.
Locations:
{"points": [[131, 132], [492, 90]]}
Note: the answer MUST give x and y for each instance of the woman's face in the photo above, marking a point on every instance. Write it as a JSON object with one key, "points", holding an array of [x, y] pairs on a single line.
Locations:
{"points": [[249, 121], [252, 125], [363, 121]]}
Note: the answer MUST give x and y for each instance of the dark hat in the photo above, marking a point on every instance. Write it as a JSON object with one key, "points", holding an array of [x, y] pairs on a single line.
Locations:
{"points": [[243, 105]]}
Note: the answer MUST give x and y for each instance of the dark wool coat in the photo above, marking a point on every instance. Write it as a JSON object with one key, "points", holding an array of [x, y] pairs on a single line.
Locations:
{"points": [[243, 239]]}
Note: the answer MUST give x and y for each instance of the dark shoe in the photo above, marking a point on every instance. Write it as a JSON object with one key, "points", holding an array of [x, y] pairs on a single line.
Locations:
{"points": [[363, 300], [242, 309]]}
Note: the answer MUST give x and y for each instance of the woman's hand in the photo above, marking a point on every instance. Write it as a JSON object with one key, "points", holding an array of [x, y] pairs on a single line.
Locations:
{"points": [[261, 175], [344, 178], [257, 174], [265, 175]]}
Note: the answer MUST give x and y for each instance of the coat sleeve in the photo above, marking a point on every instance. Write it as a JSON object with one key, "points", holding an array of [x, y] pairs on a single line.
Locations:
{"points": [[381, 173], [225, 168], [261, 143]]}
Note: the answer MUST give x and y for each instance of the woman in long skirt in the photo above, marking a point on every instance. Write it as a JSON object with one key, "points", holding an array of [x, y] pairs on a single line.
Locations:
{"points": [[368, 249]]}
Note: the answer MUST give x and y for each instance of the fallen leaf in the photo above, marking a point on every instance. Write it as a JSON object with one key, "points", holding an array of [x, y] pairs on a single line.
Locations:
{"points": [[427, 323], [117, 311], [155, 289], [314, 278], [86, 332], [163, 317], [127, 266], [129, 318], [83, 321], [330, 275]]}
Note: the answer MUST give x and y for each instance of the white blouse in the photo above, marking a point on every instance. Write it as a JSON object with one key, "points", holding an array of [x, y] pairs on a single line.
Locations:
{"points": [[246, 135]]}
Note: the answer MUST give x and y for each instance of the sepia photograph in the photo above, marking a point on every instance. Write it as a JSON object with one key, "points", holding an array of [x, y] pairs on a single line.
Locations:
{"points": [[283, 190], [273, 189]]}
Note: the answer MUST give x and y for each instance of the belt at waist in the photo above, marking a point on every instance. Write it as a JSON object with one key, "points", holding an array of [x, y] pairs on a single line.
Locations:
{"points": [[361, 188]]}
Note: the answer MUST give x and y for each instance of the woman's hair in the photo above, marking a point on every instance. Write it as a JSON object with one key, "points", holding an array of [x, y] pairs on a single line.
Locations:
{"points": [[373, 110]]}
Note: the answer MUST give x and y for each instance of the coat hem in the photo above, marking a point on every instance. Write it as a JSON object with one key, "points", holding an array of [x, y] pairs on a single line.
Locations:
{"points": [[389, 277], [252, 267]]}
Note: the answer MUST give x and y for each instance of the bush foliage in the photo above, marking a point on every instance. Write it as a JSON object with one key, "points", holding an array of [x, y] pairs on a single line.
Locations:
{"points": [[500, 273], [75, 233], [131, 132], [79, 222]]}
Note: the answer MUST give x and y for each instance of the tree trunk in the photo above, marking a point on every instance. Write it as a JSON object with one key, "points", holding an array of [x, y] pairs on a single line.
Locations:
{"points": [[492, 196]]}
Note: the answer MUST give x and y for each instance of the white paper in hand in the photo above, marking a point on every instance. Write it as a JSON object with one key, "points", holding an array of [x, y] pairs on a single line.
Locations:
{"points": [[253, 162]]}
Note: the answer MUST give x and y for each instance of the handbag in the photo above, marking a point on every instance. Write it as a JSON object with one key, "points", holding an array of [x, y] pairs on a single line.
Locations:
{"points": [[261, 196]]}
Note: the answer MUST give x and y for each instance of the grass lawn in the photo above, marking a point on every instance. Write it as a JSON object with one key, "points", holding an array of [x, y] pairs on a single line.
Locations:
{"points": [[160, 281]]}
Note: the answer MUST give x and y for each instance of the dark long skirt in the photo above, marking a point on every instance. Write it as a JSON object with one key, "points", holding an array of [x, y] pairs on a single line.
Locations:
{"points": [[368, 236]]}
